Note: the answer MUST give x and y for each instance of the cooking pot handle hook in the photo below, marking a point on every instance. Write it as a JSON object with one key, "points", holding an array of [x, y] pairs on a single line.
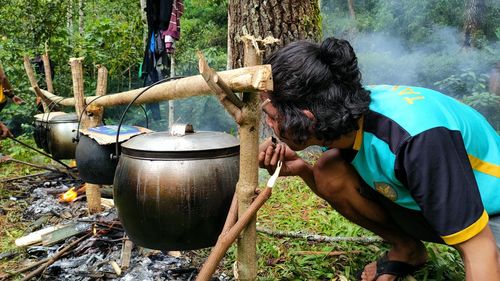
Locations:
{"points": [[180, 129]]}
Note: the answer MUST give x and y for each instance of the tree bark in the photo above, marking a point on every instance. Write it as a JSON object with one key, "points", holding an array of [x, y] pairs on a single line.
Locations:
{"points": [[473, 21], [287, 20]]}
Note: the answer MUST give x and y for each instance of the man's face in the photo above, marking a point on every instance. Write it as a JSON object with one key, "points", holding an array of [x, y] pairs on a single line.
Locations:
{"points": [[272, 120]]}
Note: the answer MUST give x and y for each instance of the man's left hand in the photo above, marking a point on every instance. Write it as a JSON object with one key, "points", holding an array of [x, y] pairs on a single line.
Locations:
{"points": [[17, 100]]}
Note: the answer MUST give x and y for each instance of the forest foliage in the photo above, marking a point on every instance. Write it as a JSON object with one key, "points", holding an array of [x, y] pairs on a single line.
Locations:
{"points": [[398, 42]]}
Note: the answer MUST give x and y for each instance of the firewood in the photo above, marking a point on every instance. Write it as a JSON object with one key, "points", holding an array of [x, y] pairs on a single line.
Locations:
{"points": [[65, 232], [126, 253], [35, 237]]}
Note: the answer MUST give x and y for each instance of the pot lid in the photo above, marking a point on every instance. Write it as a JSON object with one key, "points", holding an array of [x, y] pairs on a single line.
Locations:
{"points": [[168, 142], [64, 118], [47, 116]]}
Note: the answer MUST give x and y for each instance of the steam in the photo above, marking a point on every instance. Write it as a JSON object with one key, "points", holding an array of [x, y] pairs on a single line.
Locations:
{"points": [[384, 59]]}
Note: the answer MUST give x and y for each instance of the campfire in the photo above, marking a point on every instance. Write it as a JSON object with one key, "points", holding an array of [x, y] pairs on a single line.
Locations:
{"points": [[71, 245], [68, 196]]}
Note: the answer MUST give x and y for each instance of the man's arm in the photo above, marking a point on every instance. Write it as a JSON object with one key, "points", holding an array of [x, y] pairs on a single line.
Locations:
{"points": [[4, 131], [480, 256]]}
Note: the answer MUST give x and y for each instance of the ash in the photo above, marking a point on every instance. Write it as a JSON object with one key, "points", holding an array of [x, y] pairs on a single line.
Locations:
{"points": [[99, 255]]}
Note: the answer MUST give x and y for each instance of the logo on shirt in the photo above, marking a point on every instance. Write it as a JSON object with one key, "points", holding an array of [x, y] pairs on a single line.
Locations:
{"points": [[386, 190]]}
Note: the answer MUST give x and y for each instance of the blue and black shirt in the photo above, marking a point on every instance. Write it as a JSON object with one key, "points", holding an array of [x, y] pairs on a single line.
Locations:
{"points": [[428, 152]]}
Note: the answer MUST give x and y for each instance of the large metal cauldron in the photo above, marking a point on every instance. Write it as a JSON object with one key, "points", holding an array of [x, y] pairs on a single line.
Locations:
{"points": [[61, 135], [173, 192], [41, 128]]}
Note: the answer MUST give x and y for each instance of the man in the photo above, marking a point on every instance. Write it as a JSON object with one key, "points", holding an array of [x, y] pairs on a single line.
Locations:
{"points": [[409, 164], [6, 91]]}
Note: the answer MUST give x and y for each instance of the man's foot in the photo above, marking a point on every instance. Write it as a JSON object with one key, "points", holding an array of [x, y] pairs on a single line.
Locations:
{"points": [[403, 261]]}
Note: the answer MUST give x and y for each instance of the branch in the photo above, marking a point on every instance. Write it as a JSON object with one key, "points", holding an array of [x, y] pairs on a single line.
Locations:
{"points": [[229, 100], [54, 258], [319, 238]]}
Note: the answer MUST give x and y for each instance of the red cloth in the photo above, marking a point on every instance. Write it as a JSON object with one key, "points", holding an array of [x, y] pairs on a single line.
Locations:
{"points": [[174, 28]]}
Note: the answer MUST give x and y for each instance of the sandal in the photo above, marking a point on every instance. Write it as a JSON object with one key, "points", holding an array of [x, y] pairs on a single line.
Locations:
{"points": [[396, 268]]}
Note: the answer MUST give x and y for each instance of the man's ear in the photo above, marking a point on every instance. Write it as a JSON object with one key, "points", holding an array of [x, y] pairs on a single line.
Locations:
{"points": [[309, 114]]}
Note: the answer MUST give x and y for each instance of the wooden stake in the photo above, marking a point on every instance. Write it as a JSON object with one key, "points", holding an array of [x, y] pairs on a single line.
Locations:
{"points": [[126, 253], [34, 84], [29, 71], [48, 71], [246, 255], [225, 241]]}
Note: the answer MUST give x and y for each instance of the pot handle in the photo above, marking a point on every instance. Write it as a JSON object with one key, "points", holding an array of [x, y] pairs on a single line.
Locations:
{"points": [[181, 129], [117, 152]]}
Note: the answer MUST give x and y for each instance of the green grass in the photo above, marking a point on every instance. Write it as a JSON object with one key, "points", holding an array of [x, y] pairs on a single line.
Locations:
{"points": [[294, 207]]}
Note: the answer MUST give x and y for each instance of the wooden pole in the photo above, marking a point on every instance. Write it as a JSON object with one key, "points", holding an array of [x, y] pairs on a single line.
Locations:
{"points": [[248, 79], [91, 190], [34, 84], [171, 117], [226, 239], [246, 257], [48, 71], [95, 113]]}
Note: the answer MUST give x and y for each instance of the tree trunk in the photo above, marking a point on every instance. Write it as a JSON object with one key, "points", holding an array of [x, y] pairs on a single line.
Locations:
{"points": [[473, 21], [81, 15], [287, 20], [350, 3], [69, 20]]}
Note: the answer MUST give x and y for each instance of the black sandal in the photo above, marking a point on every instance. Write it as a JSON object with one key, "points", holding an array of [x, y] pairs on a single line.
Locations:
{"points": [[396, 268]]}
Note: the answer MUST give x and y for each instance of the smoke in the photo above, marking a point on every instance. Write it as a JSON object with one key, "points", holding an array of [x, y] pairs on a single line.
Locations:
{"points": [[385, 59]]}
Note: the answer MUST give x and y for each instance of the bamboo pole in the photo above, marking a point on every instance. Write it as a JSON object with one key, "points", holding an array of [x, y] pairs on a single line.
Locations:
{"points": [[246, 257], [247, 79]]}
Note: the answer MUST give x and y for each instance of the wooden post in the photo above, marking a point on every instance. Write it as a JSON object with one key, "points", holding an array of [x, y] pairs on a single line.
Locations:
{"points": [[95, 112], [34, 84], [171, 116], [92, 190], [48, 72], [246, 257]]}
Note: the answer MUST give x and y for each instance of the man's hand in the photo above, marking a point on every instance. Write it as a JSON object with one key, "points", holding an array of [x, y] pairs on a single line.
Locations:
{"points": [[270, 153], [4, 131], [17, 100]]}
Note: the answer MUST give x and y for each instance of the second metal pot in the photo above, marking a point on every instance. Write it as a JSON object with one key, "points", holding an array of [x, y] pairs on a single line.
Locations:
{"points": [[61, 136]]}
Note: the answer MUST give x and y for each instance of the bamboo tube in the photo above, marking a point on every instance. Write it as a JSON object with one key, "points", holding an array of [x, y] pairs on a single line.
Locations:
{"points": [[247, 79]]}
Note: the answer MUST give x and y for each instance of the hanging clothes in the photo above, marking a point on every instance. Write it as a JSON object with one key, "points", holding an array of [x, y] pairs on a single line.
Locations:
{"points": [[173, 32], [156, 63]]}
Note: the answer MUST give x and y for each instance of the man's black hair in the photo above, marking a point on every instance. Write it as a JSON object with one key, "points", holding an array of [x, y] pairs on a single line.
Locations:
{"points": [[324, 79]]}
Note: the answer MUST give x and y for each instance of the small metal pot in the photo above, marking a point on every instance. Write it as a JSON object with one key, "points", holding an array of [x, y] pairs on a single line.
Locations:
{"points": [[173, 192], [61, 136], [40, 130], [94, 161]]}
